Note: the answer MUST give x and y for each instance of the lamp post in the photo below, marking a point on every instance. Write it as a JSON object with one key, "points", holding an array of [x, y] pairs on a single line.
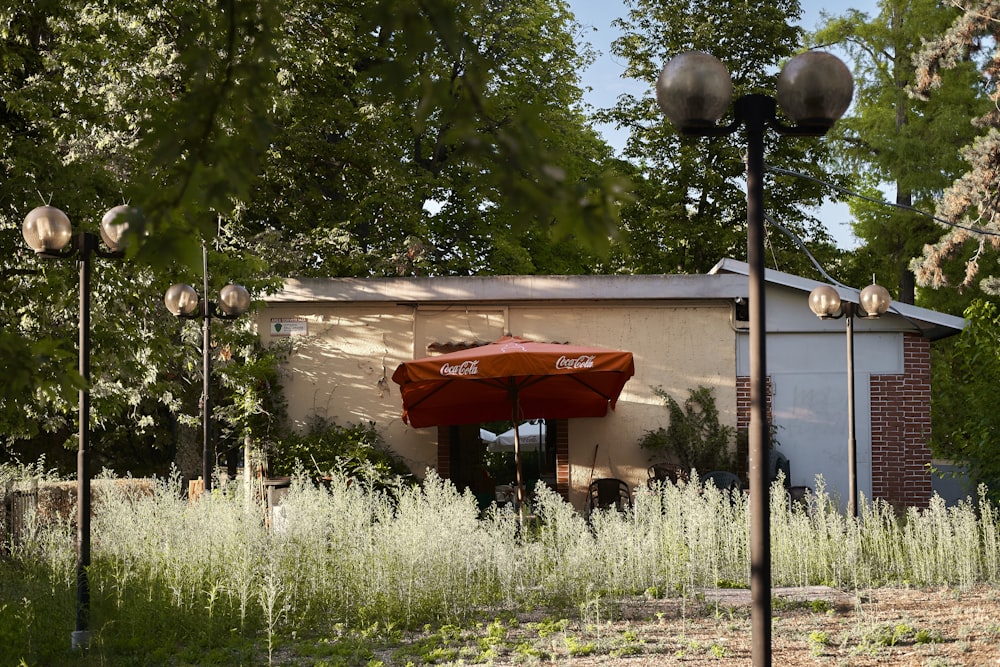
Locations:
{"points": [[182, 300], [48, 232], [826, 303], [814, 89]]}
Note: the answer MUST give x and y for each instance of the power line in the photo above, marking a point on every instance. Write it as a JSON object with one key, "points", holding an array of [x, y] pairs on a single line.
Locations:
{"points": [[802, 246], [948, 223]]}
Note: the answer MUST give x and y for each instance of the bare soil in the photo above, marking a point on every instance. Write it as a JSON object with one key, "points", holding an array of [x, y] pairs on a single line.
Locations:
{"points": [[811, 626], [820, 626]]}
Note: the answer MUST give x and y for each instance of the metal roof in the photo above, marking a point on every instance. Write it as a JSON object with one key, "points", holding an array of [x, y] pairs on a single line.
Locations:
{"points": [[726, 280], [932, 324]]}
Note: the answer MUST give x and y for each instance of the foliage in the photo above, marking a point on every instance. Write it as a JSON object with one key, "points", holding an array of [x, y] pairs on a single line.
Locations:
{"points": [[694, 437], [476, 154], [432, 138], [210, 581], [324, 448], [969, 205], [690, 211], [893, 140], [965, 421]]}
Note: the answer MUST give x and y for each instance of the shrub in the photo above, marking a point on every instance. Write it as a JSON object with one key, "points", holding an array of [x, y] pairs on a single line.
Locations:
{"points": [[694, 438], [354, 451]]}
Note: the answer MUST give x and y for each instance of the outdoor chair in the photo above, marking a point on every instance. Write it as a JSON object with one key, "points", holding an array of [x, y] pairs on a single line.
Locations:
{"points": [[779, 464], [722, 480], [609, 492], [664, 472]]}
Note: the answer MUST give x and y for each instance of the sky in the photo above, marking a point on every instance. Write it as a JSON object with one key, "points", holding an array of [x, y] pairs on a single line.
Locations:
{"points": [[606, 83]]}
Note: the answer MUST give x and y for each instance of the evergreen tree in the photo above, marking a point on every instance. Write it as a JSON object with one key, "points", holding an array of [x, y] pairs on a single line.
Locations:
{"points": [[969, 205], [892, 139]]}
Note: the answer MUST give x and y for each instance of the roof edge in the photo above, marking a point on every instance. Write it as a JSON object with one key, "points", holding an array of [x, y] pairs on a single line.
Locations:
{"points": [[458, 289], [933, 324]]}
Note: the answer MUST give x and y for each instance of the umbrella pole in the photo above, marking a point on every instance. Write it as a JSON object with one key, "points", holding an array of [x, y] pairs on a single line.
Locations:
{"points": [[517, 459], [520, 478]]}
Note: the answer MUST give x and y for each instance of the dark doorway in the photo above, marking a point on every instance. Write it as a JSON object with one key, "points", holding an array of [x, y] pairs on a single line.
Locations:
{"points": [[481, 466]]}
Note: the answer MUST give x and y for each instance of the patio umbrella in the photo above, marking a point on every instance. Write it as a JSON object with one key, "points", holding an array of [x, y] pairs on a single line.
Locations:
{"points": [[530, 435], [512, 378]]}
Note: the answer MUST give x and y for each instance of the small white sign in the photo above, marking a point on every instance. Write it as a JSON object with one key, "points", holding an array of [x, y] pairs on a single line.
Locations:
{"points": [[289, 326]]}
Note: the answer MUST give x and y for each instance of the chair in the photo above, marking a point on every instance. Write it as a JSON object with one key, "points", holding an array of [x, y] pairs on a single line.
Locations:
{"points": [[722, 480], [609, 492], [779, 463], [664, 472]]}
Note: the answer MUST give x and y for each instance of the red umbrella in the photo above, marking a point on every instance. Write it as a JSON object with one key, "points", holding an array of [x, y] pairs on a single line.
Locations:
{"points": [[515, 379]]}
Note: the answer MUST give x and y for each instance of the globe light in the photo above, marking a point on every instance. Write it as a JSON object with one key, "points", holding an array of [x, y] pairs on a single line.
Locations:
{"points": [[875, 301], [115, 223], [46, 229], [181, 300], [814, 89], [694, 90], [824, 301], [234, 300]]}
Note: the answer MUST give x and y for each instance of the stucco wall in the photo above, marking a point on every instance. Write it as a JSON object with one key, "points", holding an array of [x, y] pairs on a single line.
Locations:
{"points": [[341, 369], [336, 368]]}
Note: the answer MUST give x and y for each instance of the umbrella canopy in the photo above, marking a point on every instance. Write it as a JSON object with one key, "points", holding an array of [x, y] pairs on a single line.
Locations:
{"points": [[512, 378], [530, 434]]}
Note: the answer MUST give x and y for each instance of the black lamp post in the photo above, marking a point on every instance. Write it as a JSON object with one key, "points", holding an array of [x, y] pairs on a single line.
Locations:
{"points": [[48, 232], [873, 302], [814, 89], [182, 300]]}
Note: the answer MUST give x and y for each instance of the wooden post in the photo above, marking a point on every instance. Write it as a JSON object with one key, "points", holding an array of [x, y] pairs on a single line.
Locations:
{"points": [[196, 487]]}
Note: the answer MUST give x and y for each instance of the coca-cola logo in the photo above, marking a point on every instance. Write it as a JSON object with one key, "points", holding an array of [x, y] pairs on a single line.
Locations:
{"points": [[583, 361], [464, 368]]}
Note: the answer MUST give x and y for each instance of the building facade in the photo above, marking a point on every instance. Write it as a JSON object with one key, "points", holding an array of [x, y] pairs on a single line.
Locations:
{"points": [[347, 336]]}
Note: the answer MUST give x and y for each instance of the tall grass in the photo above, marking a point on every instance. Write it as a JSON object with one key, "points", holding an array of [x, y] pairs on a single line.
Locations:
{"points": [[212, 577]]}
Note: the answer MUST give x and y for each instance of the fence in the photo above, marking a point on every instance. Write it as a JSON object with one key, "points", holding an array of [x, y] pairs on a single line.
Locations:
{"points": [[19, 504]]}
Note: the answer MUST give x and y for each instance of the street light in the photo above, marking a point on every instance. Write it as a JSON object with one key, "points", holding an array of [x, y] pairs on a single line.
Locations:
{"points": [[48, 232], [182, 300], [873, 302], [814, 89]]}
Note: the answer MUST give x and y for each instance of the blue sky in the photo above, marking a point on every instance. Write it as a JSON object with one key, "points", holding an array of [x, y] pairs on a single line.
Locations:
{"points": [[606, 83]]}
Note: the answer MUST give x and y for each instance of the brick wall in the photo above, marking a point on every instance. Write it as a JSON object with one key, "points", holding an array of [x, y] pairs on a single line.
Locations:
{"points": [[562, 458], [901, 424], [743, 421], [444, 452]]}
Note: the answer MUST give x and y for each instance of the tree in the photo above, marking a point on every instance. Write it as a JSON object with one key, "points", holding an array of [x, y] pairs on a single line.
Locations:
{"points": [[467, 165], [969, 206], [691, 210], [964, 413], [218, 124], [892, 138]]}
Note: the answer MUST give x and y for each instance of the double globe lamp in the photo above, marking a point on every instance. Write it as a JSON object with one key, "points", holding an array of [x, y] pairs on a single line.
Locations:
{"points": [[814, 89], [183, 302], [48, 231], [825, 303]]}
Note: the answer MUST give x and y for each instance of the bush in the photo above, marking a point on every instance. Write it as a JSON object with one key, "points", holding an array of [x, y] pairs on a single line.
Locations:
{"points": [[694, 438], [354, 451]]}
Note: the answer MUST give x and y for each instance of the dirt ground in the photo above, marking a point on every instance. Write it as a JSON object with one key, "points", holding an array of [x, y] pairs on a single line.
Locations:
{"points": [[818, 626], [812, 626]]}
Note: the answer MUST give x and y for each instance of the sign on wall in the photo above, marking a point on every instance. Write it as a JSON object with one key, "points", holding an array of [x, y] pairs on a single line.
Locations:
{"points": [[289, 326]]}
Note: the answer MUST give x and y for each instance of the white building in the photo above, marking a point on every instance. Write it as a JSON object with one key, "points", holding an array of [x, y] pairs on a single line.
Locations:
{"points": [[684, 331]]}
